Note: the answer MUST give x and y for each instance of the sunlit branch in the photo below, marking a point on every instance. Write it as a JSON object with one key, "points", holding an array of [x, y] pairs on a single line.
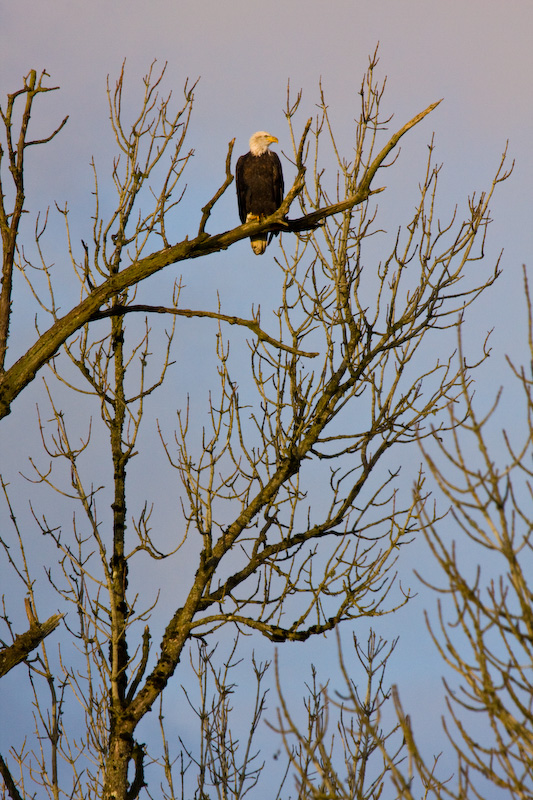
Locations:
{"points": [[120, 310], [26, 642]]}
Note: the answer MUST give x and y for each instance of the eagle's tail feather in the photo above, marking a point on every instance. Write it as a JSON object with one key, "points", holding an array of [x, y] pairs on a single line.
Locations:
{"points": [[259, 244]]}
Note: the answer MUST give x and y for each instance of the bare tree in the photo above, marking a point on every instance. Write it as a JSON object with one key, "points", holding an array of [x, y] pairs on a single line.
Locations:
{"points": [[349, 373], [481, 542], [485, 628], [342, 757]]}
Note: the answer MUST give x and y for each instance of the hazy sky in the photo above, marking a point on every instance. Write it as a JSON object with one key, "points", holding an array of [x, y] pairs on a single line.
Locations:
{"points": [[476, 54]]}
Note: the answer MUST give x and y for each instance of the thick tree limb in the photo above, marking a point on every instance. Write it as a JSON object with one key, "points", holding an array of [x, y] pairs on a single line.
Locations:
{"points": [[26, 642]]}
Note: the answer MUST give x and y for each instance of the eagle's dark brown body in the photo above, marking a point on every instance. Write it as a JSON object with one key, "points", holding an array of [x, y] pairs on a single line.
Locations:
{"points": [[259, 181]]}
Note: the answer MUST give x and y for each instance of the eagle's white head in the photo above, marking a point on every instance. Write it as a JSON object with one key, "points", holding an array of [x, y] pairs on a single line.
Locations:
{"points": [[260, 141]]}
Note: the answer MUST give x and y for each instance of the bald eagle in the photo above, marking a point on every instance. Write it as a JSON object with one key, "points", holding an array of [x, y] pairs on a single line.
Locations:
{"points": [[259, 181]]}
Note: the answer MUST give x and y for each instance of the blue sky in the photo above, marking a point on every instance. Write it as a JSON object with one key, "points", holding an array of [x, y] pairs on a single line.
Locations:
{"points": [[476, 55]]}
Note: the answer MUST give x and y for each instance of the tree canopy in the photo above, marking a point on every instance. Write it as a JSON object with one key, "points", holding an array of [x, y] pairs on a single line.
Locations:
{"points": [[283, 516]]}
